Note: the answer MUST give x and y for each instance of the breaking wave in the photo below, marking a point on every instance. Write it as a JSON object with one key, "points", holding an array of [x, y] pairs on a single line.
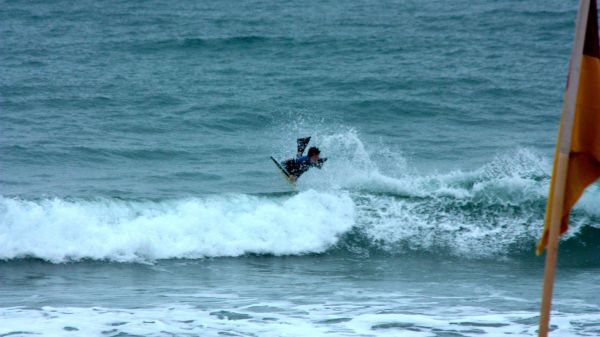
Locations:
{"points": [[65, 230], [495, 210]]}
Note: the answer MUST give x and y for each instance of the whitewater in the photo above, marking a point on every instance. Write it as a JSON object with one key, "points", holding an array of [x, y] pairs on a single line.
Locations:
{"points": [[496, 210]]}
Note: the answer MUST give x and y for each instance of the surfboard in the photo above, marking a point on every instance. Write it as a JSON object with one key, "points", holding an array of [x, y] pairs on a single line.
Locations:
{"points": [[286, 174]]}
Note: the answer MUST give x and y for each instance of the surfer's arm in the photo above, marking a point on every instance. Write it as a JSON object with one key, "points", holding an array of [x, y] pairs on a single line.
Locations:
{"points": [[320, 163]]}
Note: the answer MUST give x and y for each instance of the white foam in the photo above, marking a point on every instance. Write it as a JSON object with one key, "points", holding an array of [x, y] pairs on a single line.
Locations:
{"points": [[590, 200], [477, 213], [58, 230], [482, 212], [352, 167], [517, 174], [392, 314]]}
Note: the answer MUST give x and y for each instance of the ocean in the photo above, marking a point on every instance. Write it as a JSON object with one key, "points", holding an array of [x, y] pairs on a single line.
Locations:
{"points": [[137, 197]]}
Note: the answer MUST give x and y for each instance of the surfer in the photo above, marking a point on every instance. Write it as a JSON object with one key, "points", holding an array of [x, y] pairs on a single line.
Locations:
{"points": [[297, 166]]}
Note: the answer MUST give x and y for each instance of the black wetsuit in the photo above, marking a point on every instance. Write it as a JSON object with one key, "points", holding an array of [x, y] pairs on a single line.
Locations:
{"points": [[297, 166]]}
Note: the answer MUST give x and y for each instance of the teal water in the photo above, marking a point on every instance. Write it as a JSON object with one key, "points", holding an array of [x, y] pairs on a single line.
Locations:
{"points": [[135, 178]]}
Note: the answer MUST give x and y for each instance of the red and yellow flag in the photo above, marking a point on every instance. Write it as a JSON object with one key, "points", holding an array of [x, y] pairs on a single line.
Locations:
{"points": [[584, 154]]}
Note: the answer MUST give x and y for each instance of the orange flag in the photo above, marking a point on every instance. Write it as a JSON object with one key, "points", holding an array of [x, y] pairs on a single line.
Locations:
{"points": [[584, 152]]}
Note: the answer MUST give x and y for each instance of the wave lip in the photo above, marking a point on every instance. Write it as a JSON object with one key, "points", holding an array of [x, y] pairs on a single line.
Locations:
{"points": [[59, 231]]}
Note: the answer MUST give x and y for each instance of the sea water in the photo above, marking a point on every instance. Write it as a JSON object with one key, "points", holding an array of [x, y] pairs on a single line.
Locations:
{"points": [[137, 197]]}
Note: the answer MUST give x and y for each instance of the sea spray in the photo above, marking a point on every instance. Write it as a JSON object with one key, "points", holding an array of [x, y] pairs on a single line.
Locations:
{"points": [[497, 209]]}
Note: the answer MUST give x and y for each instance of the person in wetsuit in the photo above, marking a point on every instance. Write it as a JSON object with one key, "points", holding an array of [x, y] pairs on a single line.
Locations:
{"points": [[297, 166]]}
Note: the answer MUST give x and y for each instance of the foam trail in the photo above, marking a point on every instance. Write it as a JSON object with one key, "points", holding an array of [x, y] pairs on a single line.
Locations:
{"points": [[58, 230]]}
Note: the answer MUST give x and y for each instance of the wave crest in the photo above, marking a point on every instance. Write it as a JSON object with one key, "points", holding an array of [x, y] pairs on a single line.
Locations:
{"points": [[495, 210], [59, 230]]}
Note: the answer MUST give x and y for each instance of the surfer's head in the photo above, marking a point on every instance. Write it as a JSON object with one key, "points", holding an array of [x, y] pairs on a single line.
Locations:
{"points": [[313, 154]]}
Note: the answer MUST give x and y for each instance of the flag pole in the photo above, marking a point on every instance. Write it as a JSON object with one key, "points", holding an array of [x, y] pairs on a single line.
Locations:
{"points": [[562, 165], [552, 246]]}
